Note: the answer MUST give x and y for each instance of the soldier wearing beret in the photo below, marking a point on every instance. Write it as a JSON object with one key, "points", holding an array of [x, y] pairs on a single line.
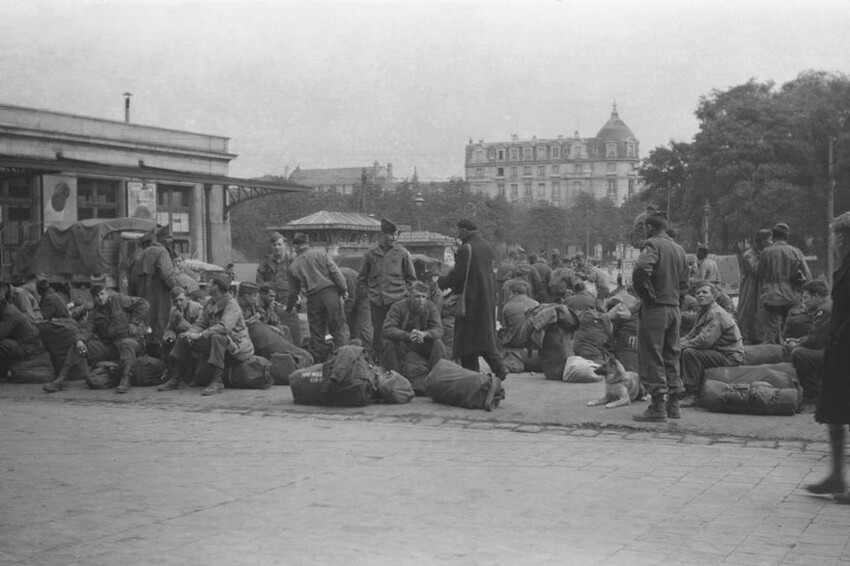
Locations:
{"points": [[387, 273], [660, 279]]}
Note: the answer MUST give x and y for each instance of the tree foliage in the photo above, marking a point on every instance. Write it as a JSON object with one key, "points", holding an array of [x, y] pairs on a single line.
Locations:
{"points": [[760, 157]]}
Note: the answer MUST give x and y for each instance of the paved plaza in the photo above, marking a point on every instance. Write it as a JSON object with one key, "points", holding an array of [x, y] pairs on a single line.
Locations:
{"points": [[95, 483]]}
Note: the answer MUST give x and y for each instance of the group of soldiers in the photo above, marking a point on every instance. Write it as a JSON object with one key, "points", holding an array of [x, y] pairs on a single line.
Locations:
{"points": [[384, 307]]}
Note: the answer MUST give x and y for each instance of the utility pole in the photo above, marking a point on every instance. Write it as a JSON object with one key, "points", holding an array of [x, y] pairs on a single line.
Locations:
{"points": [[830, 214]]}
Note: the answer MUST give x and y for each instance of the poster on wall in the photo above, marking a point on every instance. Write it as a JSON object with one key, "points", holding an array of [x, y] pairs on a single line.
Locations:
{"points": [[59, 195], [141, 200]]}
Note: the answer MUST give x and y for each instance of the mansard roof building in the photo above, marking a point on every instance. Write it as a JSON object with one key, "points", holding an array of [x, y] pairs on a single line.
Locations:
{"points": [[554, 171]]}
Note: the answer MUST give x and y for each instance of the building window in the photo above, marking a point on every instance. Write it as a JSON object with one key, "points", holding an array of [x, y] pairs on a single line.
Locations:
{"points": [[612, 188], [479, 173], [526, 153], [576, 188], [527, 187], [610, 167], [610, 149], [18, 212], [174, 207], [556, 169], [631, 187], [578, 150], [501, 187], [541, 153], [556, 152], [500, 171], [97, 198], [526, 171], [514, 172], [515, 155], [630, 150], [577, 167], [514, 191], [492, 154], [541, 170], [541, 190], [501, 155], [556, 191], [478, 156]]}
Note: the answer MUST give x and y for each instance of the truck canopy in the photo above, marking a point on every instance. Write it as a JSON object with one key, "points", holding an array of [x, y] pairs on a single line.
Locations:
{"points": [[80, 248]]}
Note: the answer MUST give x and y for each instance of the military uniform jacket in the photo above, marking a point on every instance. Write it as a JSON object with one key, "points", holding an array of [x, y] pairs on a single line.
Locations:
{"points": [[225, 318], [121, 316], [274, 271], [716, 329], [401, 320], [387, 274], [779, 265], [661, 272]]}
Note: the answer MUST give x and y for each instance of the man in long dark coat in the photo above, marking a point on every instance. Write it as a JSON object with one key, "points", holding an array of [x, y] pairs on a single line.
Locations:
{"points": [[154, 284], [749, 321], [475, 333]]}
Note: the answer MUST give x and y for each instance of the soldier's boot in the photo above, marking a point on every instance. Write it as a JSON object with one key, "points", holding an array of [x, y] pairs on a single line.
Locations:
{"points": [[58, 384], [656, 412], [174, 381], [124, 384], [216, 385], [674, 411]]}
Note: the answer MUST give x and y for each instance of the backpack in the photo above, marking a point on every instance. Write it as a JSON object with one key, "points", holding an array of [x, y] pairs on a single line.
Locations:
{"points": [[253, 373], [451, 384]]}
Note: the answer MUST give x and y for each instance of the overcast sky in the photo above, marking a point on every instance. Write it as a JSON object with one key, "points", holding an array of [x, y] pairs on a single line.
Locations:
{"points": [[344, 83]]}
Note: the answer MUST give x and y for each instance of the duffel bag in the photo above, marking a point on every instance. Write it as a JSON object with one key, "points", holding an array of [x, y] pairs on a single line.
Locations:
{"points": [[36, 368], [282, 367], [392, 387], [760, 354], [103, 376], [351, 378], [451, 384], [268, 340], [253, 373], [769, 389], [308, 385], [513, 359], [580, 370], [593, 333], [415, 368], [148, 371]]}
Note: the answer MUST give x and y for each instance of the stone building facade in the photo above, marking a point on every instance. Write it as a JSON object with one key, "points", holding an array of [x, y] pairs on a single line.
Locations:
{"points": [[554, 171]]}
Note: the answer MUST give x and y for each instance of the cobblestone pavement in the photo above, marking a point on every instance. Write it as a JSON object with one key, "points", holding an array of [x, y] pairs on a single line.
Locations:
{"points": [[86, 482]]}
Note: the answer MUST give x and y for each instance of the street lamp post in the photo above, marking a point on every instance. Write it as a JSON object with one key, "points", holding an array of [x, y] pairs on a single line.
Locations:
{"points": [[419, 201]]}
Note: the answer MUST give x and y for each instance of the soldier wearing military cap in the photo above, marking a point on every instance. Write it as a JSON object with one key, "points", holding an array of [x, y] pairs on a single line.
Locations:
{"points": [[387, 273], [273, 270], [660, 278], [782, 271]]}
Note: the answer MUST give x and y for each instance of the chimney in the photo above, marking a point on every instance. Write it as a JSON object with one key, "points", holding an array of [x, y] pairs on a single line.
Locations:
{"points": [[127, 96], [389, 172]]}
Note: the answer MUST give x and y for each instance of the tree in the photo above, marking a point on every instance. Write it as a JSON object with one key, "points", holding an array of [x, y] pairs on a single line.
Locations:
{"points": [[664, 174]]}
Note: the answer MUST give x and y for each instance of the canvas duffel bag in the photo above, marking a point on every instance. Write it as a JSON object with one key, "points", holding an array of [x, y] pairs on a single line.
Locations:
{"points": [[308, 385], [36, 368], [253, 373], [415, 368], [451, 384], [392, 387], [769, 389], [148, 371], [103, 376], [557, 347]]}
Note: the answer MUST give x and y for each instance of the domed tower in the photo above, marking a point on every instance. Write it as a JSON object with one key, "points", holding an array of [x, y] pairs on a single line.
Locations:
{"points": [[617, 146], [615, 138]]}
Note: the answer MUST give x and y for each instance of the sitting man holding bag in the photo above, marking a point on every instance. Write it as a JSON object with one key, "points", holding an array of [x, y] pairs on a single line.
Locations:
{"points": [[413, 325]]}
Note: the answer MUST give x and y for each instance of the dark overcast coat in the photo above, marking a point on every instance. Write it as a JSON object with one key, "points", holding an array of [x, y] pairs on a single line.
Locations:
{"points": [[477, 331]]}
